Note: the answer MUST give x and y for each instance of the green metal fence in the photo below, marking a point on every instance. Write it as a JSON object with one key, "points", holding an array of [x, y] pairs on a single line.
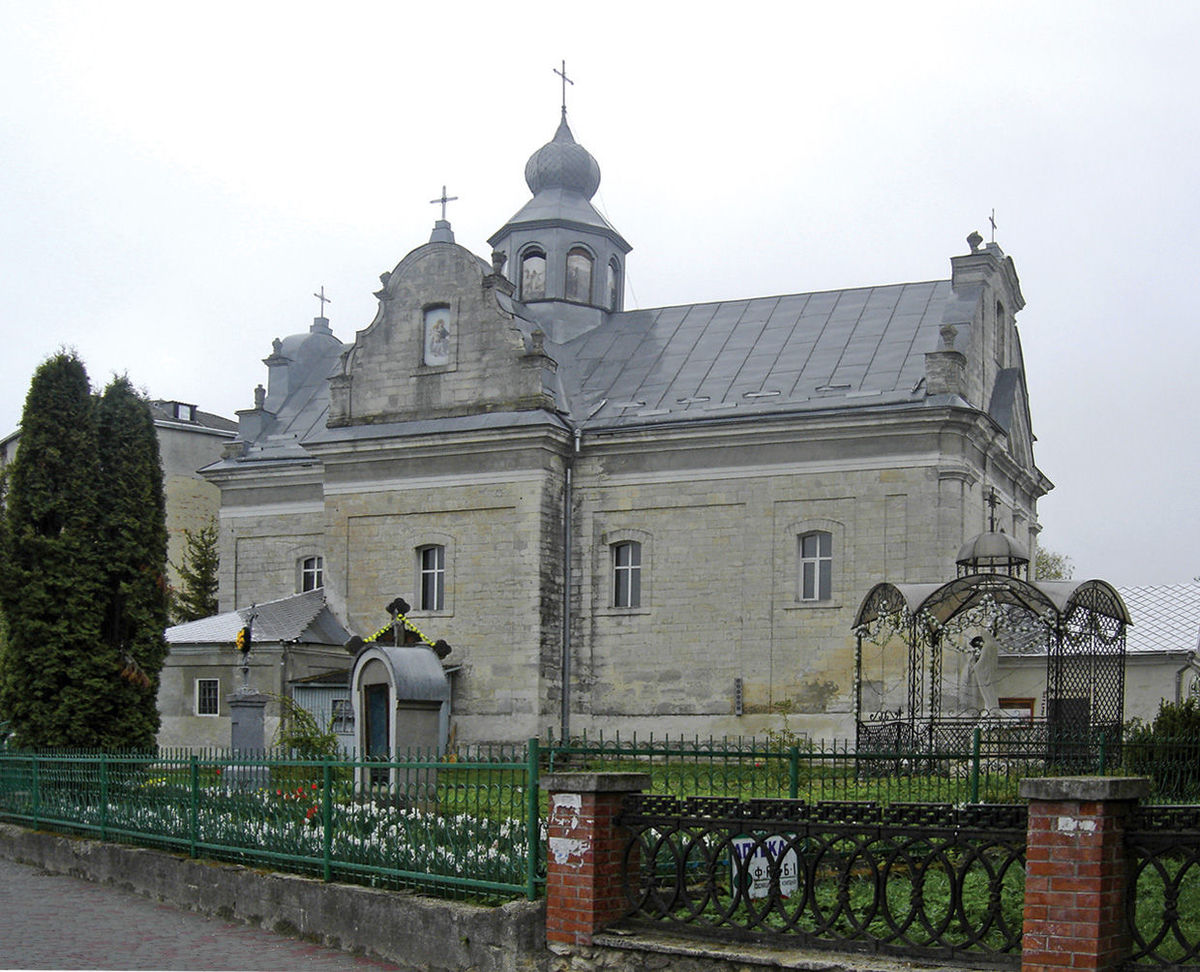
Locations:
{"points": [[466, 823], [470, 822], [987, 771]]}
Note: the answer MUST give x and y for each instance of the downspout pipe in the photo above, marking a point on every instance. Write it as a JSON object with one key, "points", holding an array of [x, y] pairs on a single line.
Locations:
{"points": [[565, 661]]}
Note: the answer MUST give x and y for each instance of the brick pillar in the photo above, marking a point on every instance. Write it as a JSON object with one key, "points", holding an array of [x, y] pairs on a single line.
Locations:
{"points": [[584, 852], [1075, 872]]}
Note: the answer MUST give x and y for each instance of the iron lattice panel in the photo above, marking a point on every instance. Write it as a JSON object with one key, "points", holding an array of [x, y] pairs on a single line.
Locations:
{"points": [[919, 880], [1162, 900]]}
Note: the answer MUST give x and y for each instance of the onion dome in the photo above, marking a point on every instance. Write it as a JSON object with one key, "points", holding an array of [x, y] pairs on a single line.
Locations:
{"points": [[562, 163], [992, 553]]}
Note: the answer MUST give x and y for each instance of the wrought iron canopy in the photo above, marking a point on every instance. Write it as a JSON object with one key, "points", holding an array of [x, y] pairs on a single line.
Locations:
{"points": [[941, 603]]}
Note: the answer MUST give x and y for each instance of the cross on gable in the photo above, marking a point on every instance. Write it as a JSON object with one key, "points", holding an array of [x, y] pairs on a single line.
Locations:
{"points": [[323, 299], [443, 199], [565, 81]]}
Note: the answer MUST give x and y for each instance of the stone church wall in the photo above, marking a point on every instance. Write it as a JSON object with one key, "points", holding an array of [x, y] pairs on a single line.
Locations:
{"points": [[502, 537], [721, 598]]}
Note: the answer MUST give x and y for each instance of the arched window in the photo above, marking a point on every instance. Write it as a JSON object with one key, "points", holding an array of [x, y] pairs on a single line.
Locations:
{"points": [[432, 568], [579, 275], [533, 275], [312, 573], [816, 566], [614, 285], [627, 574]]}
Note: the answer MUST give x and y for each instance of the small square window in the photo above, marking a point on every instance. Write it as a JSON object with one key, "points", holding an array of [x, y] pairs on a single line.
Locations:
{"points": [[208, 696], [342, 716]]}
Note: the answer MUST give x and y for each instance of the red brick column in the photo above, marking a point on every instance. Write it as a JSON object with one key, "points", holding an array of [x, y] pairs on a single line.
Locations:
{"points": [[1075, 871], [583, 856]]}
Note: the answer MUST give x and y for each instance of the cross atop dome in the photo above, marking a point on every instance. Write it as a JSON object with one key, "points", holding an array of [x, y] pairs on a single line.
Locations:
{"points": [[565, 81]]}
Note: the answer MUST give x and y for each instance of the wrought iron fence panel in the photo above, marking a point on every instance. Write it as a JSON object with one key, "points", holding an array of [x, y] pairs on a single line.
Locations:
{"points": [[1163, 893], [934, 881]]}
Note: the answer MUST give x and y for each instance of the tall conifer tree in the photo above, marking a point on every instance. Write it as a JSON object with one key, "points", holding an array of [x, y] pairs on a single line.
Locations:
{"points": [[54, 675], [197, 596], [136, 601]]}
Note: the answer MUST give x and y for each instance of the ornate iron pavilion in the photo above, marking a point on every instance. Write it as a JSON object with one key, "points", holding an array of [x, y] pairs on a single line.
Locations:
{"points": [[904, 630]]}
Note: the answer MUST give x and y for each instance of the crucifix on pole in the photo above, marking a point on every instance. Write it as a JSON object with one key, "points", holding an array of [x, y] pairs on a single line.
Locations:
{"points": [[565, 81], [443, 199]]}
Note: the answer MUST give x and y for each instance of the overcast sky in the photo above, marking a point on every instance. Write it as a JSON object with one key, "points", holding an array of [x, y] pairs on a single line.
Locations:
{"points": [[177, 180]]}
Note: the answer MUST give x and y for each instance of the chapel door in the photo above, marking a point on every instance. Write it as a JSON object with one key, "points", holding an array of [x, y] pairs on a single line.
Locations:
{"points": [[377, 729]]}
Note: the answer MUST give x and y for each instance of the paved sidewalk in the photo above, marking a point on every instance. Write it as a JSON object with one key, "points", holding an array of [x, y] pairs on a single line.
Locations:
{"points": [[52, 921]]}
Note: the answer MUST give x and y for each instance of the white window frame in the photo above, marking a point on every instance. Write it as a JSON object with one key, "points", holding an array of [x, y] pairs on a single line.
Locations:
{"points": [[810, 566], [627, 577], [435, 572], [304, 571], [216, 696]]}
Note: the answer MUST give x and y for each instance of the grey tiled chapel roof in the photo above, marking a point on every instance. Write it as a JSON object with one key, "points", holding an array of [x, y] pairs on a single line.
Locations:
{"points": [[797, 352], [298, 618]]}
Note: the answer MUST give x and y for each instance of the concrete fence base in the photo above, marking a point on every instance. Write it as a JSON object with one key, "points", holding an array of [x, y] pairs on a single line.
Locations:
{"points": [[412, 931]]}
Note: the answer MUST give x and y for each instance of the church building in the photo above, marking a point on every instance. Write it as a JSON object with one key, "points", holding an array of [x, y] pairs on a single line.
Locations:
{"points": [[657, 519]]}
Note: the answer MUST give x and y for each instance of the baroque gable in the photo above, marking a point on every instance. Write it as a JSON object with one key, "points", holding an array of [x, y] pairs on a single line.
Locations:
{"points": [[440, 346]]}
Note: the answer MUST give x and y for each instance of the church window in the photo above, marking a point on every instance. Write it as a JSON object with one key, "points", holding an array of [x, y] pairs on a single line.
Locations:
{"points": [[816, 566], [533, 275], [312, 573], [627, 574], [432, 561], [579, 275], [208, 696], [614, 285]]}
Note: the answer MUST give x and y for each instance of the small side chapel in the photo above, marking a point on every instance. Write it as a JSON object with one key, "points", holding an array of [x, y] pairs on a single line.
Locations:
{"points": [[655, 519]]}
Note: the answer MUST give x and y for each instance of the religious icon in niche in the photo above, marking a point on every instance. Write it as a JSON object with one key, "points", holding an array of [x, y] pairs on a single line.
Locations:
{"points": [[437, 335]]}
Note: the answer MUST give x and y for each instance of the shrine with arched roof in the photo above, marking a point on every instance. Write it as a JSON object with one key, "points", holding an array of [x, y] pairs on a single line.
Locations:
{"points": [[927, 655]]}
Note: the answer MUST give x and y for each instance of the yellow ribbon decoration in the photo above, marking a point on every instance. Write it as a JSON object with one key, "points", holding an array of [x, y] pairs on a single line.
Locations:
{"points": [[407, 624]]}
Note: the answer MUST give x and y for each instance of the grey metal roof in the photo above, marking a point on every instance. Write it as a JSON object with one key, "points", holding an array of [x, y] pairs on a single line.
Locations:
{"points": [[1166, 617], [797, 352], [416, 671], [828, 350], [163, 411], [298, 618]]}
